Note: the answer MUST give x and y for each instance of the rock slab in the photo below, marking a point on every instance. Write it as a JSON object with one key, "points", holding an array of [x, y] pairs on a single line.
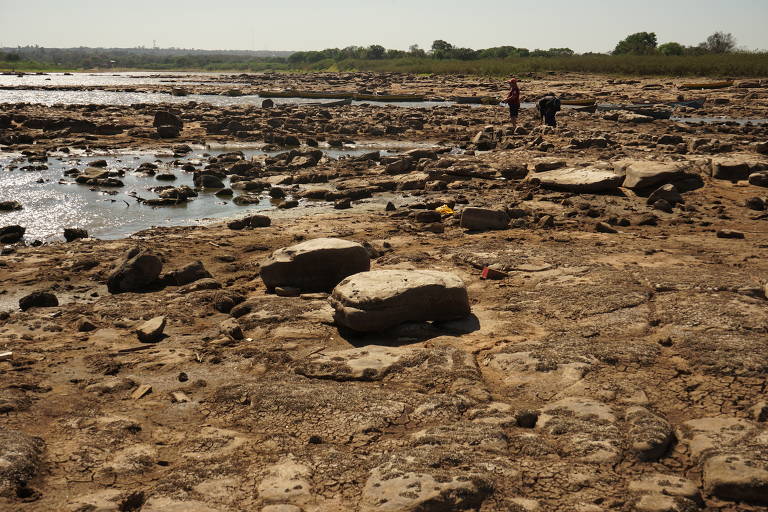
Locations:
{"points": [[378, 300], [586, 179], [315, 265], [484, 218], [646, 174], [19, 460]]}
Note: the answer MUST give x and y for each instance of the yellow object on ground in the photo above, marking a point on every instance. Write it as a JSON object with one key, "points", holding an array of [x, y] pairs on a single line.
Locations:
{"points": [[445, 210]]}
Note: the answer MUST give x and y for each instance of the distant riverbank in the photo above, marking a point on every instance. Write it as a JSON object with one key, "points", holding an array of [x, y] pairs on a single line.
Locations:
{"points": [[723, 65]]}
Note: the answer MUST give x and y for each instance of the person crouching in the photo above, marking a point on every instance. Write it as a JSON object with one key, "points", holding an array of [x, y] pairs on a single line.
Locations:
{"points": [[548, 107]]}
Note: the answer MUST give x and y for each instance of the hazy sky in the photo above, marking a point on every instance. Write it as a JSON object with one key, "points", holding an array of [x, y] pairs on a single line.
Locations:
{"points": [[585, 25]]}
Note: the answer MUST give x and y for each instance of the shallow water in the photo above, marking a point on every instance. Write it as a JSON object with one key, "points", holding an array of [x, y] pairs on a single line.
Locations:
{"points": [[96, 97], [102, 79], [49, 207]]}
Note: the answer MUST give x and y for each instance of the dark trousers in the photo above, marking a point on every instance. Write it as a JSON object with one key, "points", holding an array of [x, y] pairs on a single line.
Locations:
{"points": [[549, 119]]}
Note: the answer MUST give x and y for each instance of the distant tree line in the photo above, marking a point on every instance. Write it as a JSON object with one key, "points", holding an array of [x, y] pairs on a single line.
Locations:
{"points": [[645, 43], [440, 50], [638, 53], [139, 58]]}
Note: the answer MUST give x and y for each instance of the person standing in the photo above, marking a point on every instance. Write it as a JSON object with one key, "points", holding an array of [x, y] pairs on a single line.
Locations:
{"points": [[548, 107], [513, 100]]}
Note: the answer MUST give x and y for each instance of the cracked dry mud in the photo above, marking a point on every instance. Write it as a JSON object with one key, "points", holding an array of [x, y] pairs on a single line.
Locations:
{"points": [[606, 371]]}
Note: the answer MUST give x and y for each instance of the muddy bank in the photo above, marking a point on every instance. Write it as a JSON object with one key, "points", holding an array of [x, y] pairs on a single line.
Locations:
{"points": [[613, 359]]}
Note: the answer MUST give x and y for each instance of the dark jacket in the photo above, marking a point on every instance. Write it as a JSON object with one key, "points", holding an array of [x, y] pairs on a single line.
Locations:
{"points": [[548, 104]]}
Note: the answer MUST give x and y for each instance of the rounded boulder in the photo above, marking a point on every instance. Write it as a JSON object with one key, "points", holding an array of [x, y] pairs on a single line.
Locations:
{"points": [[381, 299], [315, 265]]}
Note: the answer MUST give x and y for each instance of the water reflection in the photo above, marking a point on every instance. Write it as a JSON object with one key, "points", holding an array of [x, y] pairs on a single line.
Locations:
{"points": [[50, 206]]}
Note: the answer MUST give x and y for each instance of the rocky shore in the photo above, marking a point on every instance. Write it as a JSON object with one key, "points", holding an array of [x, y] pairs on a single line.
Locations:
{"points": [[497, 320]]}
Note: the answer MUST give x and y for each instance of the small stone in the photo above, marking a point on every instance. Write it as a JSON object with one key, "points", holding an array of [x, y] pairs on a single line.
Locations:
{"points": [[141, 391], [649, 434], [179, 397], [11, 234], [187, 274], [490, 273], [253, 221], [663, 206], [759, 179], [287, 291], [343, 204], [604, 227], [7, 206], [85, 325], [230, 327], [546, 222], [427, 216], [72, 234], [668, 193], [755, 203], [759, 411], [729, 233], [151, 331]]}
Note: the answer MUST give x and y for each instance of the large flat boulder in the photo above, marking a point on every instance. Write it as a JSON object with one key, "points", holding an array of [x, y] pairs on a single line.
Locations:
{"points": [[378, 300], [315, 265], [644, 174], [581, 179]]}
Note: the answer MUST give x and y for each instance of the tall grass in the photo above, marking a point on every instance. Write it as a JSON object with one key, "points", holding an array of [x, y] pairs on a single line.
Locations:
{"points": [[29, 65], [730, 65], [712, 66]]}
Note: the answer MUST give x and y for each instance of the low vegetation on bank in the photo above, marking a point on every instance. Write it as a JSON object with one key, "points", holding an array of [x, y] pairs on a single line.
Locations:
{"points": [[638, 54]]}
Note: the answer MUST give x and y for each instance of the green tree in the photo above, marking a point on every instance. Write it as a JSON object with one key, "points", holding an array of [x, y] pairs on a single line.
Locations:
{"points": [[415, 51], [462, 54], [375, 51], [641, 43], [441, 46], [719, 42], [671, 49]]}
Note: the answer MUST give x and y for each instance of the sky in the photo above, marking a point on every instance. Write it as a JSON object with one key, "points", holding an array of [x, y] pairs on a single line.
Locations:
{"points": [[584, 25]]}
